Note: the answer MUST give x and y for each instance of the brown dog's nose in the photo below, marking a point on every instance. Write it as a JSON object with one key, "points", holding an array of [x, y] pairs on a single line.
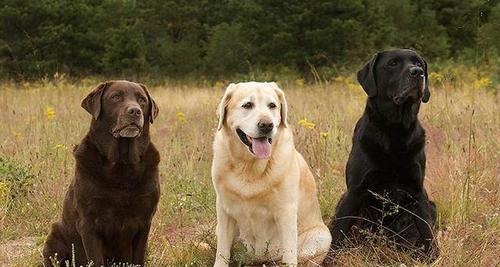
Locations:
{"points": [[265, 127], [134, 111], [416, 71]]}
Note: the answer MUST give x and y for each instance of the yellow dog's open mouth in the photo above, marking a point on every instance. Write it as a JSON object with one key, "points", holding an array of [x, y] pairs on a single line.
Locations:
{"points": [[260, 147]]}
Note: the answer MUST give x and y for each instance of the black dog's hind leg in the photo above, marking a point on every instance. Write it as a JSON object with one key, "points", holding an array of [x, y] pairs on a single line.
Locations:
{"points": [[345, 216]]}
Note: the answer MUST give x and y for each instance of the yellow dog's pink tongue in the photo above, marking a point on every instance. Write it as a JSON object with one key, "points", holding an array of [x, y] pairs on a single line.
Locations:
{"points": [[261, 148]]}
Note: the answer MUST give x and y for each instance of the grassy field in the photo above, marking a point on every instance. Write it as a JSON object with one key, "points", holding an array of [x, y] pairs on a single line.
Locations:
{"points": [[40, 123]]}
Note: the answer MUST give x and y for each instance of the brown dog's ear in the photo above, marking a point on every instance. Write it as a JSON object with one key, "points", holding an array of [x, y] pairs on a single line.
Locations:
{"points": [[92, 103], [366, 77], [153, 108], [221, 110], [283, 105], [427, 93]]}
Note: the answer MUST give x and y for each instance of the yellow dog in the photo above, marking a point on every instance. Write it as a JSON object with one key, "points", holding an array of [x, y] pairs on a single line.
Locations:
{"points": [[266, 193]]}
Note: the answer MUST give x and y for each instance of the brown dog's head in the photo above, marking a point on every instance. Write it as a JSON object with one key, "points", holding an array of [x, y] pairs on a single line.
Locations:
{"points": [[397, 76], [121, 108]]}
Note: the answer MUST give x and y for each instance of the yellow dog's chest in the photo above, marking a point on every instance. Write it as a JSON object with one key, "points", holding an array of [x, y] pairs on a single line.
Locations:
{"points": [[248, 187], [257, 227]]}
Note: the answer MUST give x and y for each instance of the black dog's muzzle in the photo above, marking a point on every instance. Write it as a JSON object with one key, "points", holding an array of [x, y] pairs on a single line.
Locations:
{"points": [[413, 87]]}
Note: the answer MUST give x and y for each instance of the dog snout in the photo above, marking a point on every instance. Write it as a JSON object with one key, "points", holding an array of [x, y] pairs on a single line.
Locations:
{"points": [[134, 111], [265, 127], [416, 71]]}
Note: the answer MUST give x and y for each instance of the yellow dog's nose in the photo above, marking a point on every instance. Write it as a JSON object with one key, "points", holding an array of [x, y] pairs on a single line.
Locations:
{"points": [[265, 126]]}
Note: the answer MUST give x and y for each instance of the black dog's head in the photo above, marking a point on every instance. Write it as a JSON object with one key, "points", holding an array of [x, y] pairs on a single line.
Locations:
{"points": [[396, 75], [123, 108]]}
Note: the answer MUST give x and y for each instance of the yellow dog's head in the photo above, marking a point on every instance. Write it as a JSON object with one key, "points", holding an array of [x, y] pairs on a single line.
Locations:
{"points": [[253, 111]]}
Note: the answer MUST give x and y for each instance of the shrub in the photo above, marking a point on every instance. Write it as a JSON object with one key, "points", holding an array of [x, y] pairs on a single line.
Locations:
{"points": [[15, 180]]}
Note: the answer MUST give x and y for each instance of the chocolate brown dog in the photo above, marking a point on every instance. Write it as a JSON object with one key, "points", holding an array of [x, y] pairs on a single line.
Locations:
{"points": [[113, 196], [386, 167]]}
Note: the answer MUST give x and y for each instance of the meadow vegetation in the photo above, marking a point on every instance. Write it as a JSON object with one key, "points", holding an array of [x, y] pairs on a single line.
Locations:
{"points": [[40, 122]]}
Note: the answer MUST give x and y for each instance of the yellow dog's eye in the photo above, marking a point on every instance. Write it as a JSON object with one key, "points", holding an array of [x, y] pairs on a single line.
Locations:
{"points": [[247, 105], [272, 105]]}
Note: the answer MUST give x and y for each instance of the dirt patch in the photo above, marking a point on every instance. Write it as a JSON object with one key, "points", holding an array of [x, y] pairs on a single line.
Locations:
{"points": [[16, 248]]}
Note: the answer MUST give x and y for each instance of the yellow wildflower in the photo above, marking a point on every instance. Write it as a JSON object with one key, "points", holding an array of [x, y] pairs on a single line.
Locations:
{"points": [[17, 134], [306, 124], [181, 117], [59, 146], [354, 86], [435, 77], [299, 82], [218, 85], [324, 134], [50, 113], [482, 83], [340, 79]]}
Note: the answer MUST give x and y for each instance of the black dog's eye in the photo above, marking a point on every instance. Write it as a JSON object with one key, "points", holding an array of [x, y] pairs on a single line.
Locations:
{"points": [[247, 105], [393, 62], [419, 64], [272, 105]]}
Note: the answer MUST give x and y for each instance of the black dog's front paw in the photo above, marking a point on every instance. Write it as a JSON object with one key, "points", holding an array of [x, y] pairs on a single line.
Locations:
{"points": [[428, 250]]}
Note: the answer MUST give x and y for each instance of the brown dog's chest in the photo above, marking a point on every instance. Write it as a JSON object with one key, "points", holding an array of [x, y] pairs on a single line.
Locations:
{"points": [[114, 211]]}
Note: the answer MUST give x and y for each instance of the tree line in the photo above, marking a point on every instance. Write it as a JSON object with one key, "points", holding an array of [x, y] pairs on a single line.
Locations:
{"points": [[217, 39]]}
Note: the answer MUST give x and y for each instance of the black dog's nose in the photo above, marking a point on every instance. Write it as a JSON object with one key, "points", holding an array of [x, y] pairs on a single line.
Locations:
{"points": [[416, 71], [265, 127], [134, 111]]}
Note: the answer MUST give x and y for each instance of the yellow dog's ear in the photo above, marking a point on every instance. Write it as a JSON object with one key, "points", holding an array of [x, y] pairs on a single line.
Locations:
{"points": [[283, 104], [222, 109]]}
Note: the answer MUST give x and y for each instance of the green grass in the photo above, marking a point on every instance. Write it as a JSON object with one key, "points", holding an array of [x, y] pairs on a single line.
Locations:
{"points": [[462, 166]]}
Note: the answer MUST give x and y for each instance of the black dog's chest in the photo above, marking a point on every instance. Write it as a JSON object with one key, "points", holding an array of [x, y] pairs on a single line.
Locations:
{"points": [[395, 174]]}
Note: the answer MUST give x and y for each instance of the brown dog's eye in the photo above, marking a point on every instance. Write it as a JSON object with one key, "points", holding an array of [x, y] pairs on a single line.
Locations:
{"points": [[142, 100], [247, 105], [116, 97], [272, 105]]}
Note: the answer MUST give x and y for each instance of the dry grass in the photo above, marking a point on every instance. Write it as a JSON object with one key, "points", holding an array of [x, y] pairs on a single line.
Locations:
{"points": [[462, 157]]}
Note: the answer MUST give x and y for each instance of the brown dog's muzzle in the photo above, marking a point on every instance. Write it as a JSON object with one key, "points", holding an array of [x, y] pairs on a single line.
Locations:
{"points": [[130, 122]]}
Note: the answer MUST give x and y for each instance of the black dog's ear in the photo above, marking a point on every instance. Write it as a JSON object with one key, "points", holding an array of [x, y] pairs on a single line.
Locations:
{"points": [[366, 77], [153, 108], [427, 93], [92, 103]]}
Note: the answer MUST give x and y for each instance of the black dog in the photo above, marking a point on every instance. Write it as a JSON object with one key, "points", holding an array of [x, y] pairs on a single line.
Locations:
{"points": [[385, 171]]}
